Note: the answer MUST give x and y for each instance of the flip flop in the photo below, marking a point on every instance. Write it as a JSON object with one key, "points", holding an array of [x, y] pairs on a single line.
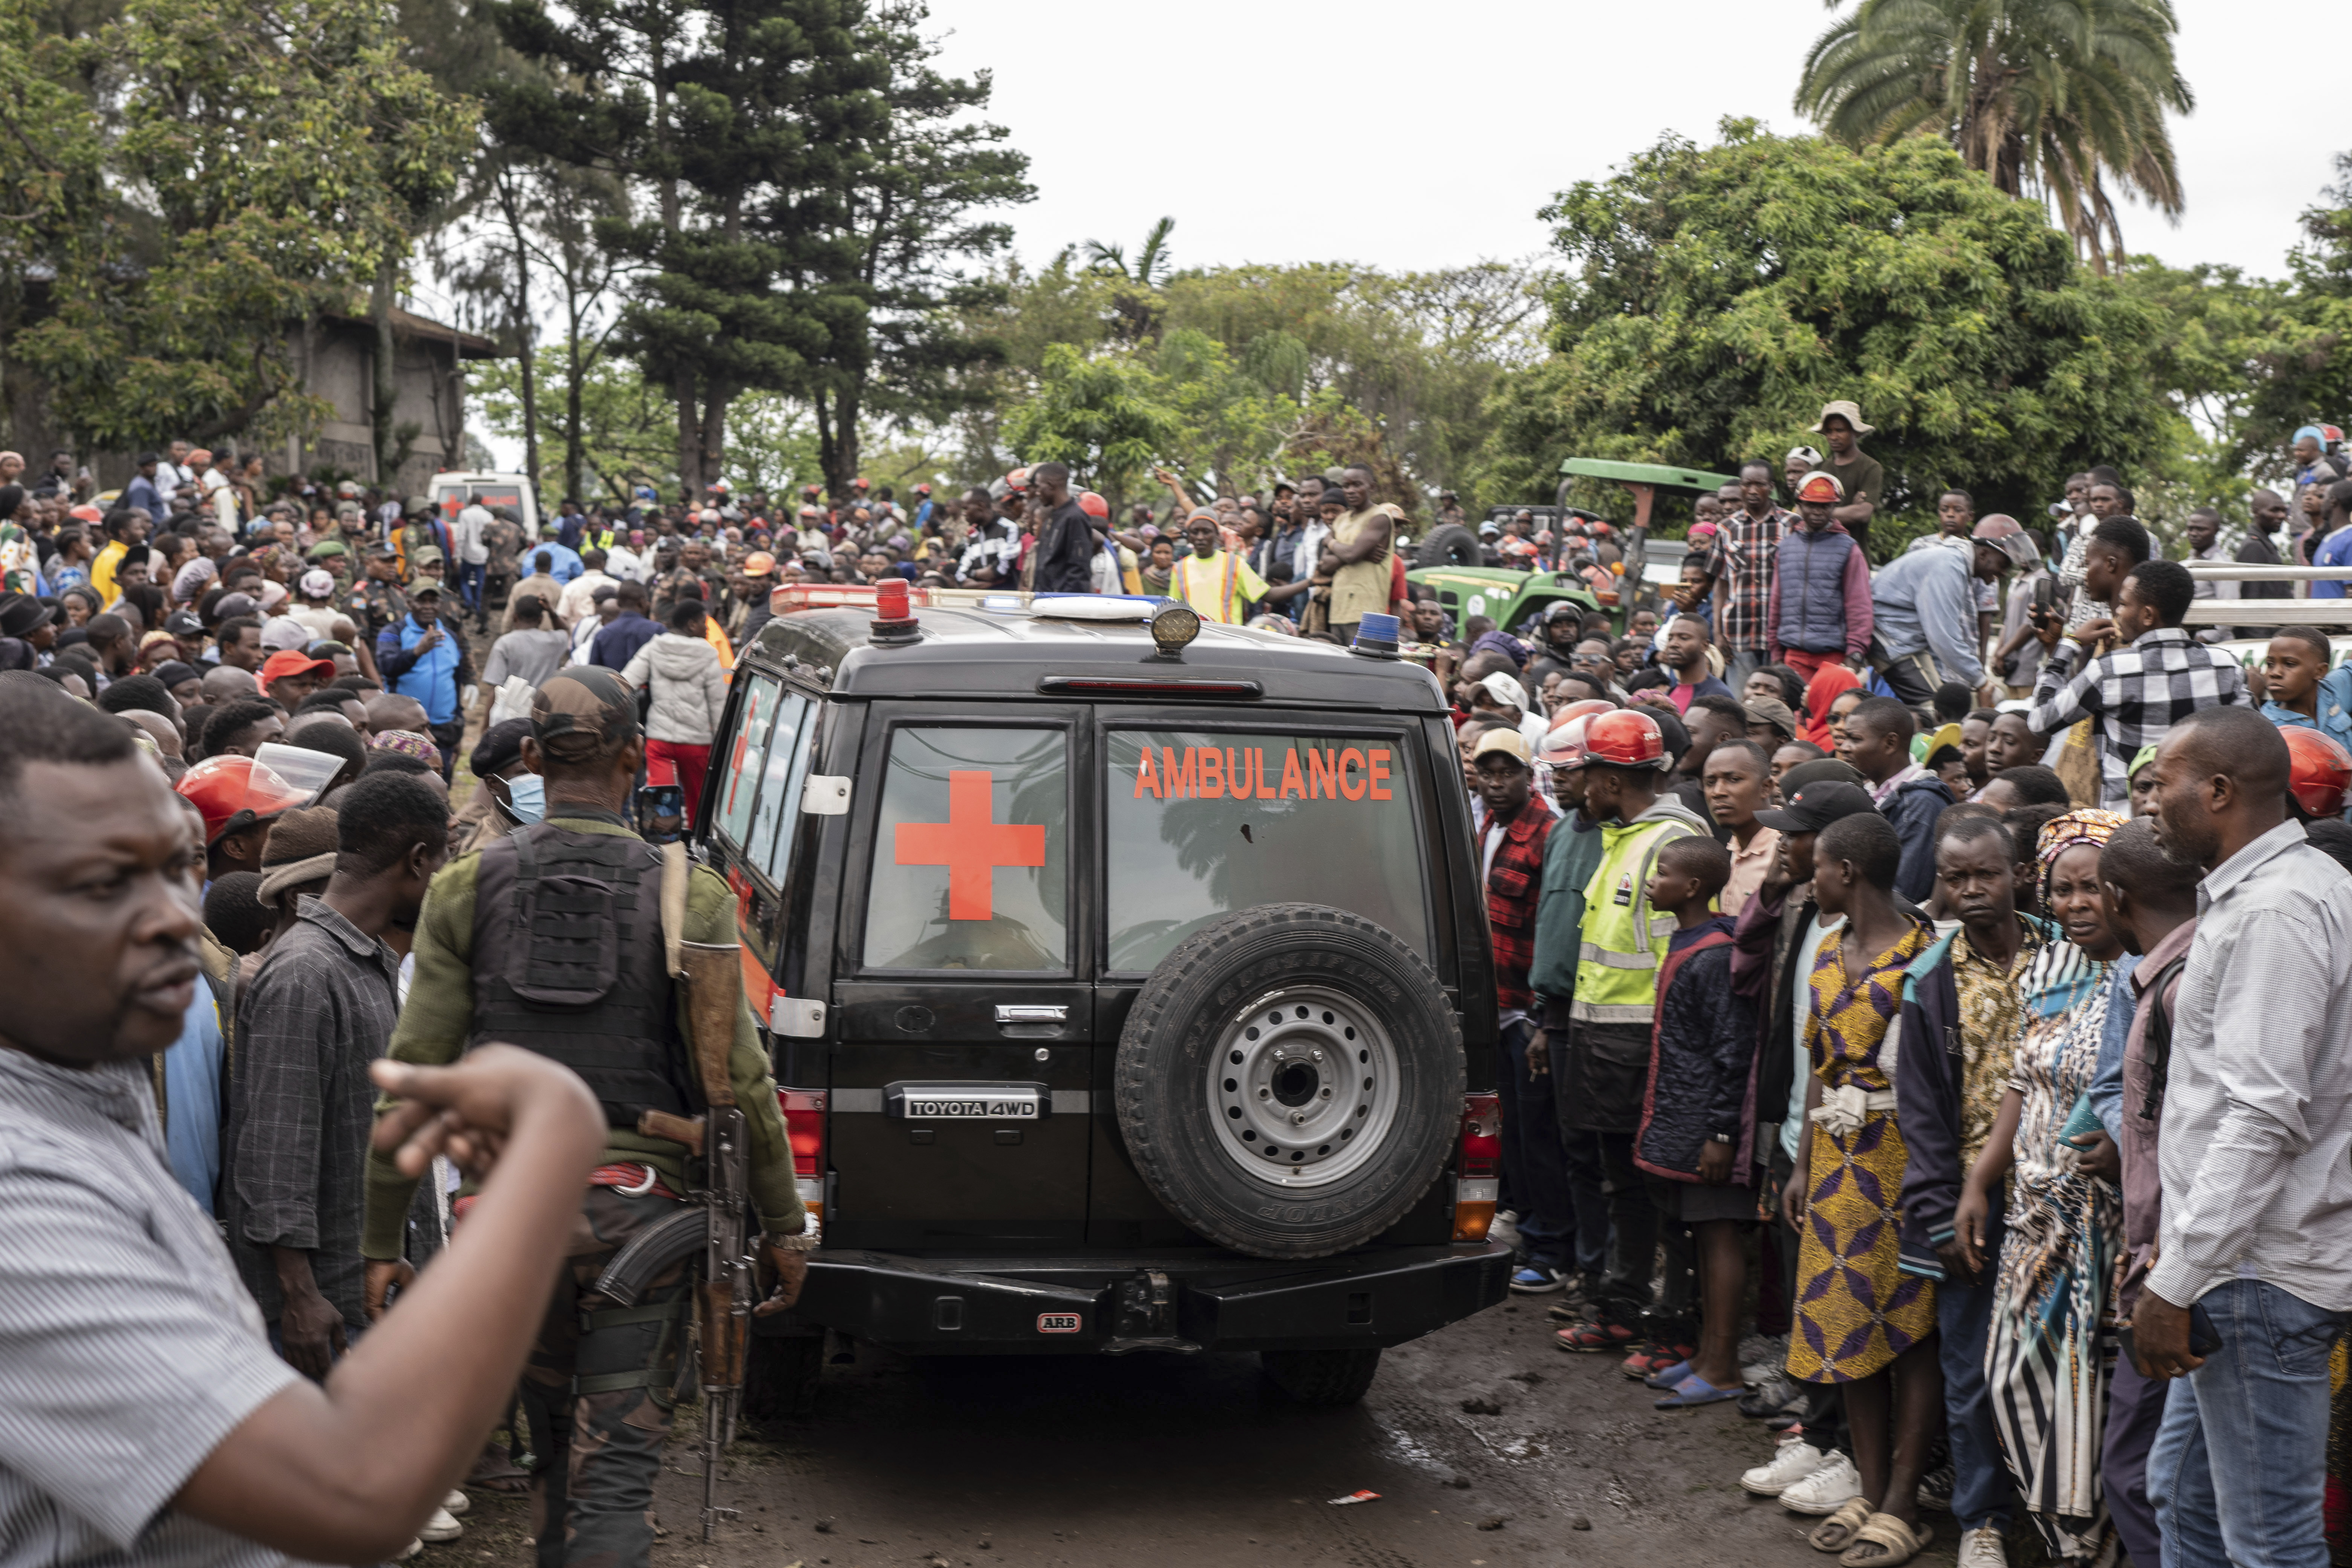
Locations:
{"points": [[1695, 1391], [1900, 1543], [1670, 1376], [1836, 1532]]}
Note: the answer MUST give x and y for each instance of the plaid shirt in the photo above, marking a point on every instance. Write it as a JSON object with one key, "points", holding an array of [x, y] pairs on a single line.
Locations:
{"points": [[300, 1107], [1513, 882], [1741, 560], [2132, 697]]}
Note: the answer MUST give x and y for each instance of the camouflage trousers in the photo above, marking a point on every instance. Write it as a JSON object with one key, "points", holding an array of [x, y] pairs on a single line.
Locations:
{"points": [[598, 1394]]}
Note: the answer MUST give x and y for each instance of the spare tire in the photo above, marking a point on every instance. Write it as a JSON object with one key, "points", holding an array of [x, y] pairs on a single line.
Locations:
{"points": [[1450, 544], [1289, 1081]]}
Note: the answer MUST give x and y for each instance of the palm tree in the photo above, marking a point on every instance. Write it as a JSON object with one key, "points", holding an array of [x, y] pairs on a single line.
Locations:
{"points": [[2058, 100], [1151, 267]]}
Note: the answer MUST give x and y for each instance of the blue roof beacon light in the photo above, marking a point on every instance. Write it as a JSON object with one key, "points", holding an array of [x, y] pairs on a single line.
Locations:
{"points": [[1376, 637]]}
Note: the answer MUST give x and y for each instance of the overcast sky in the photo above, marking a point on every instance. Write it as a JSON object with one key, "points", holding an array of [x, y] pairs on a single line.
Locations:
{"points": [[1421, 135]]}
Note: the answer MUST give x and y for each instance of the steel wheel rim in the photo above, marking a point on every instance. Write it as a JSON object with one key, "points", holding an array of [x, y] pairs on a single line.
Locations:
{"points": [[1308, 1073]]}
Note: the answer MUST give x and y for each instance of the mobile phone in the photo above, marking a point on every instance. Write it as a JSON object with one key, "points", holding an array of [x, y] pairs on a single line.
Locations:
{"points": [[2203, 1340], [2044, 594]]}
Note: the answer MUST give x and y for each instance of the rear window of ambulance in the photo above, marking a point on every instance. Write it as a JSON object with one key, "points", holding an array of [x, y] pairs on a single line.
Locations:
{"points": [[1200, 825]]}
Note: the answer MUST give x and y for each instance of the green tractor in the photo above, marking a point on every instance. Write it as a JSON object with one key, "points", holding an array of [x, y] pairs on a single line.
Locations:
{"points": [[1451, 560]]}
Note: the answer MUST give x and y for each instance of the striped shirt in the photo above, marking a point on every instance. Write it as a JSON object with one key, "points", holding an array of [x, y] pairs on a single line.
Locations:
{"points": [[2256, 1155], [2132, 697], [128, 1348]]}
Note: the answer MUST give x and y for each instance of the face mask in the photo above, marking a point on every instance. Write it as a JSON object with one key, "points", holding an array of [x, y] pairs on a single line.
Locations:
{"points": [[527, 793]]}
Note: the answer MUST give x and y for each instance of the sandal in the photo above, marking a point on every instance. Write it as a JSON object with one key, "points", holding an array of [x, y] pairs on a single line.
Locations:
{"points": [[1837, 1533], [1886, 1541], [1695, 1391]]}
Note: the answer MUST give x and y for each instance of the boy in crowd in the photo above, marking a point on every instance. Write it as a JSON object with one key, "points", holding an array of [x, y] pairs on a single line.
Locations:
{"points": [[1697, 1140], [1966, 988]]}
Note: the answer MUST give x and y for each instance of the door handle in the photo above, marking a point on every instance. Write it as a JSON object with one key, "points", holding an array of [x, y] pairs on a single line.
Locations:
{"points": [[1022, 1013]]}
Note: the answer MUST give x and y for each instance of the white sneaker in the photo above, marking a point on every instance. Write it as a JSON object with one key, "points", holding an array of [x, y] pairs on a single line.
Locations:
{"points": [[456, 1503], [1981, 1548], [1826, 1490], [1795, 1460], [414, 1547], [1505, 1229], [441, 1527]]}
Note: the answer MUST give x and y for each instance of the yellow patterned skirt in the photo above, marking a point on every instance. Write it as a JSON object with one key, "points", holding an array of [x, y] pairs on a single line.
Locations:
{"points": [[1856, 1311]]}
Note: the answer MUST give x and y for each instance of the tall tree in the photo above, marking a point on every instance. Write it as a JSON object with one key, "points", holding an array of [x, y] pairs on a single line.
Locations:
{"points": [[2057, 98], [887, 244], [717, 106], [270, 160], [1717, 297]]}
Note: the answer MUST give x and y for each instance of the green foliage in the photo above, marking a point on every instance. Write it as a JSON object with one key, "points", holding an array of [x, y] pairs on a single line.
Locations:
{"points": [[1719, 296], [267, 160], [627, 426], [1103, 417], [899, 227], [2053, 98], [1274, 370]]}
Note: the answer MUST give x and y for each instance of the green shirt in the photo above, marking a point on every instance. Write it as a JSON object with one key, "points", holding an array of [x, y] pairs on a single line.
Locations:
{"points": [[440, 1016]]}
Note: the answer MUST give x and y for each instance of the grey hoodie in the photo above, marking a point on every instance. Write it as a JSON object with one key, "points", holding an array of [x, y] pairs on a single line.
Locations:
{"points": [[689, 689]]}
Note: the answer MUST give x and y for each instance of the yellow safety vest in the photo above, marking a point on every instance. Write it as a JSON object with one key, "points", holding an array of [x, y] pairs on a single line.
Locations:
{"points": [[1625, 938]]}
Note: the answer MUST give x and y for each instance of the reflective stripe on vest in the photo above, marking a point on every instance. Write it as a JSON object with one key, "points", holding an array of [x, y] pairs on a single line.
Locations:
{"points": [[1617, 972]]}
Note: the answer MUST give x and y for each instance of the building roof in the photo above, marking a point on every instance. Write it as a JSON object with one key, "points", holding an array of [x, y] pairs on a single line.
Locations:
{"points": [[409, 324]]}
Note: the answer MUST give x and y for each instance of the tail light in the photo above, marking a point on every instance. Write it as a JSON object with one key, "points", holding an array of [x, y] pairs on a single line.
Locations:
{"points": [[805, 1125], [1477, 1166]]}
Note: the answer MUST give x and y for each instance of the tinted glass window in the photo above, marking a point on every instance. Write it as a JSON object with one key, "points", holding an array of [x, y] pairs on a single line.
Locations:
{"points": [[1199, 825], [970, 867], [746, 758], [769, 847]]}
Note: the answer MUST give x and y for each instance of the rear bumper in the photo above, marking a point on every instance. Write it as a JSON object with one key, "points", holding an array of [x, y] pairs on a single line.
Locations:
{"points": [[1000, 1306]]}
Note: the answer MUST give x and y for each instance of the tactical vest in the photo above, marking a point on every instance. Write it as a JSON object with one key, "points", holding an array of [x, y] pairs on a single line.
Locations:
{"points": [[568, 963]]}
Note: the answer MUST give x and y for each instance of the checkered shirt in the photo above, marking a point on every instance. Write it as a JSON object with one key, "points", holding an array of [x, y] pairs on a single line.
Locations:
{"points": [[2132, 697], [1741, 560]]}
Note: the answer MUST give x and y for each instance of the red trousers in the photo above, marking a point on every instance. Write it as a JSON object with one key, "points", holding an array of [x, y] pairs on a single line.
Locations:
{"points": [[691, 762], [1807, 665]]}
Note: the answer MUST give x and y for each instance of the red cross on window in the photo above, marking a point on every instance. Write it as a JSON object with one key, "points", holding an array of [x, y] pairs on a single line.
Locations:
{"points": [[971, 844]]}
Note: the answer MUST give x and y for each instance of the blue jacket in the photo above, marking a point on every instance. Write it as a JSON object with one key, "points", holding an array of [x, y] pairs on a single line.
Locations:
{"points": [[564, 564], [433, 677], [1924, 600], [1702, 1061], [618, 643], [2333, 703], [1913, 810], [1821, 589]]}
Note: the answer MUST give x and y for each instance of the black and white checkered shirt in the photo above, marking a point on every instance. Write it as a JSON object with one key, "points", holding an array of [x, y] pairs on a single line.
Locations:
{"points": [[2132, 697]]}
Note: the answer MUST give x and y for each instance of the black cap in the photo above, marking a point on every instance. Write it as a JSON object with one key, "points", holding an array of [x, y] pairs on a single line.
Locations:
{"points": [[1816, 805]]}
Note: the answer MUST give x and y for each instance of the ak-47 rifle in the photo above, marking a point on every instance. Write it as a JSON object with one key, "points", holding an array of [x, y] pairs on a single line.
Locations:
{"points": [[712, 976]]}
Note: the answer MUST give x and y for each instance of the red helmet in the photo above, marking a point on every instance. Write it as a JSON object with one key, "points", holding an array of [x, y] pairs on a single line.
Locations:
{"points": [[1018, 480], [2319, 770], [1093, 505], [1562, 746], [234, 793], [1626, 738]]}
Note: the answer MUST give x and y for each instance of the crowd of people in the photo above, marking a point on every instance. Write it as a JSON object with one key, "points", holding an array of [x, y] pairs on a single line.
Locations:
{"points": [[1958, 1024], [1867, 936]]}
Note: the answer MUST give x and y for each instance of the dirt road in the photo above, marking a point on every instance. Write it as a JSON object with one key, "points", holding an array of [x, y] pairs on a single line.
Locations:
{"points": [[1155, 1461]]}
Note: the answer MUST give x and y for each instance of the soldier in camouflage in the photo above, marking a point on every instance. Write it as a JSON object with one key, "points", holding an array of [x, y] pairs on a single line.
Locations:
{"points": [[601, 1383]]}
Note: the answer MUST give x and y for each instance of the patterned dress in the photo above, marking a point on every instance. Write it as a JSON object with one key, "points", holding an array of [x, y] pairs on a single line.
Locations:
{"points": [[2047, 1362], [1856, 1309]]}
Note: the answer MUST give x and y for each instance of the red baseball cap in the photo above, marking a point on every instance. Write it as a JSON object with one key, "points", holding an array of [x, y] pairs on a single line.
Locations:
{"points": [[293, 662]]}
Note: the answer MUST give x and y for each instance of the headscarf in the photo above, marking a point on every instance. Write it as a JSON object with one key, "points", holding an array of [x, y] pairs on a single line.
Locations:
{"points": [[2089, 825], [1827, 684], [409, 744]]}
